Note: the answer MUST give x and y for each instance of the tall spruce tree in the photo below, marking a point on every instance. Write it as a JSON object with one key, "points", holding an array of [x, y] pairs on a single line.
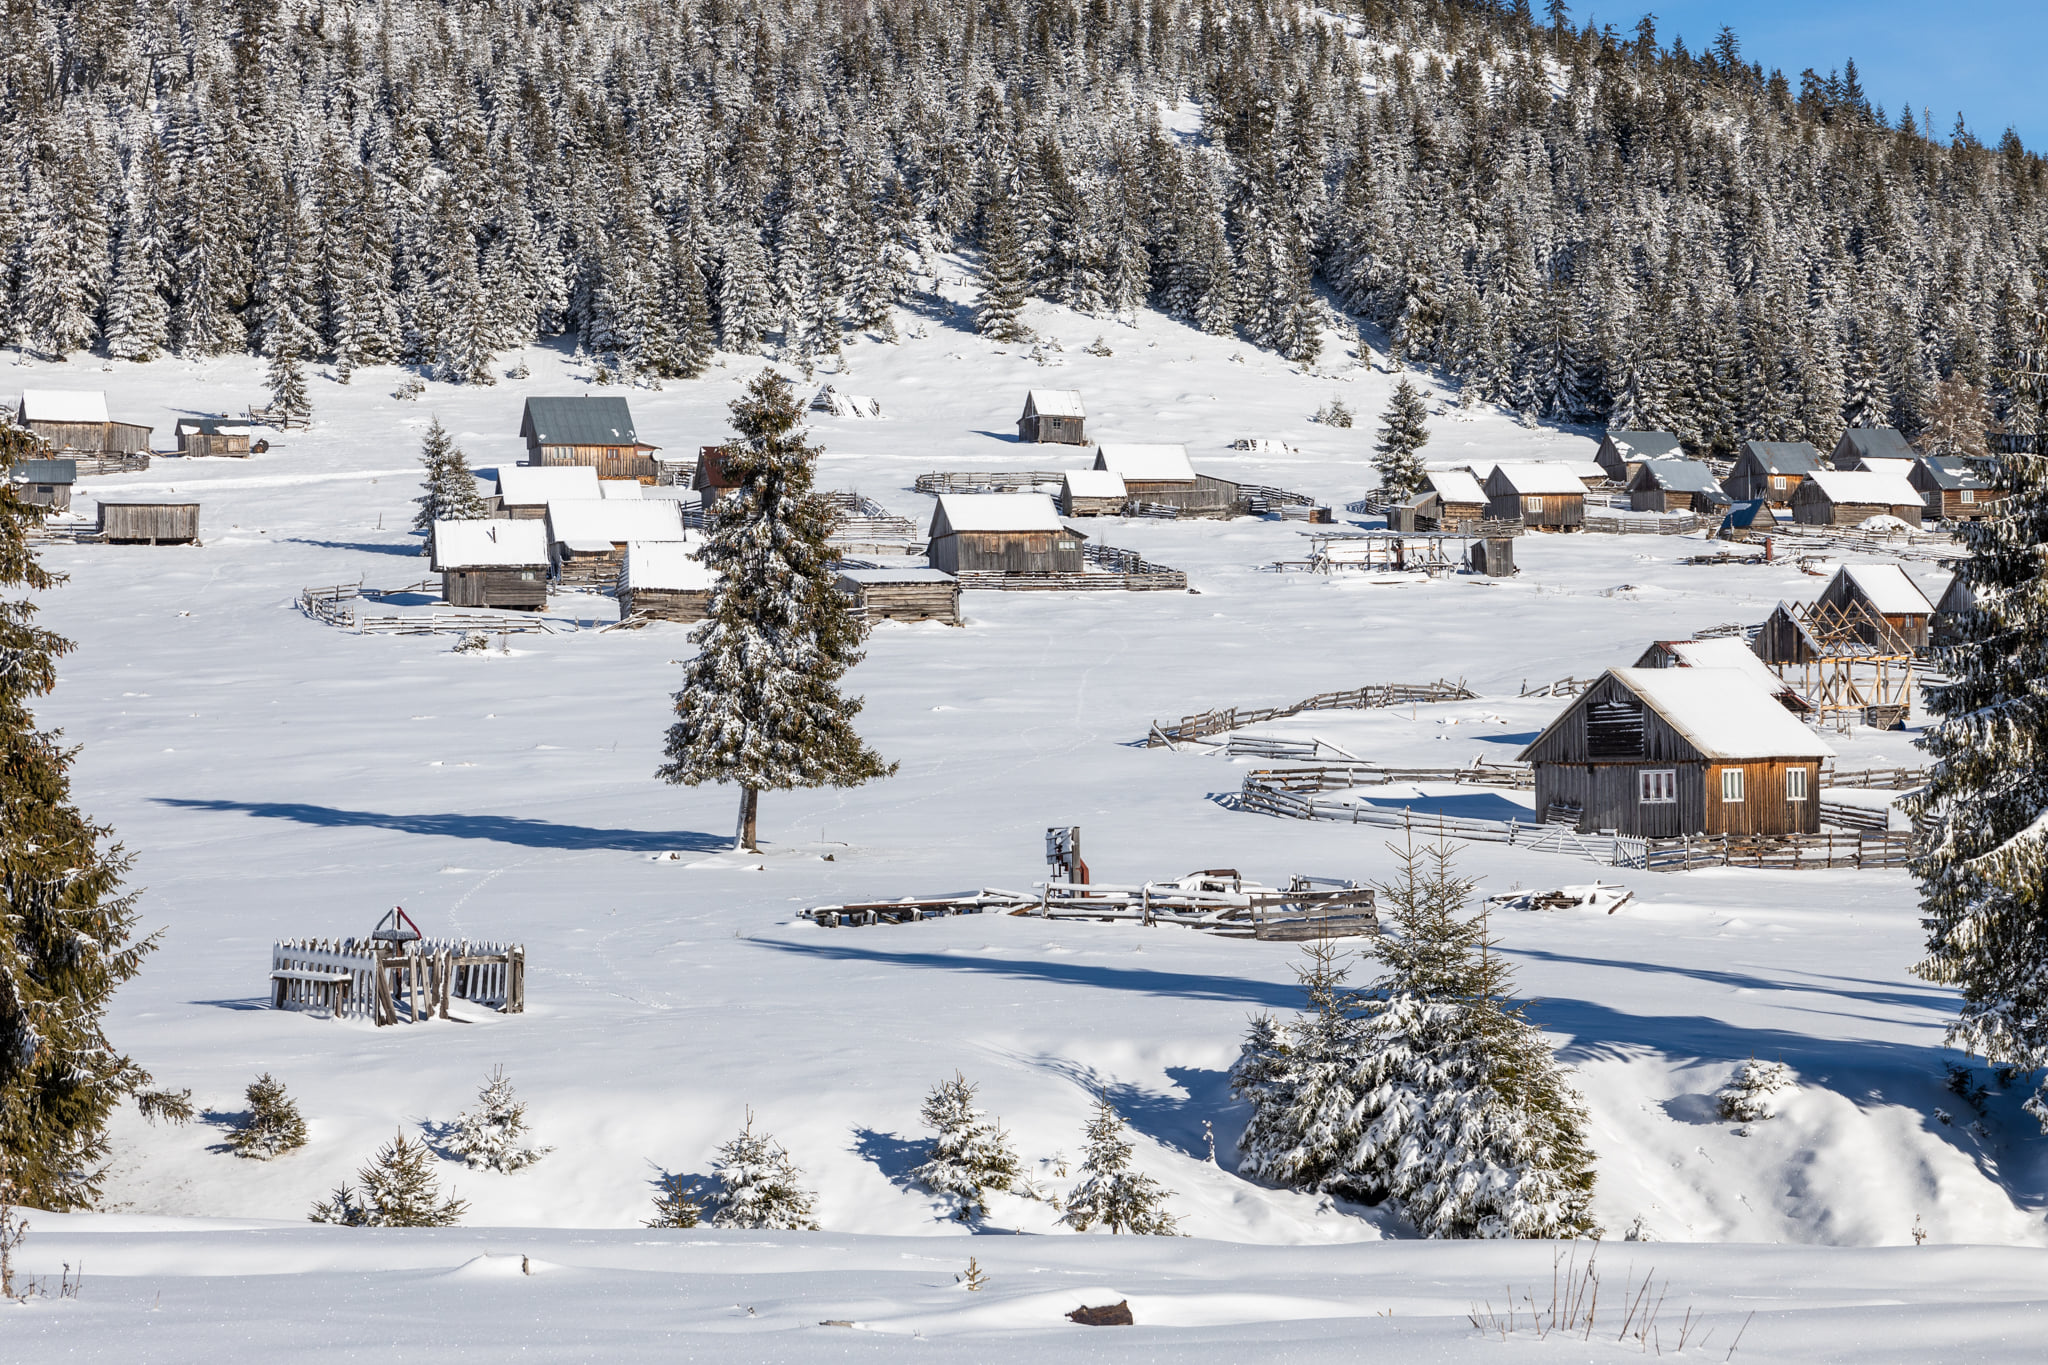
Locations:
{"points": [[1404, 431], [450, 486], [1005, 276], [67, 942], [760, 705]]}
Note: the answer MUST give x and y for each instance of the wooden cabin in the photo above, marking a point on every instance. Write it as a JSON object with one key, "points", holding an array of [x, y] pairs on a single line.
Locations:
{"points": [[524, 490], [1544, 497], [1018, 533], [204, 436], [1945, 629], [1956, 489], [1833, 497], [597, 432], [1675, 486], [1161, 476], [904, 594], [492, 563], [587, 539], [1493, 557], [1859, 444], [1723, 652], [1884, 591], [75, 422], [149, 523], [1622, 451], [1771, 471], [665, 580], [44, 483], [1460, 502], [1666, 752], [711, 480], [1748, 520], [1093, 493], [1054, 417]]}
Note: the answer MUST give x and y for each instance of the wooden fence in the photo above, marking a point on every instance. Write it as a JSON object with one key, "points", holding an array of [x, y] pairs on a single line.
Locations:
{"points": [[1010, 481], [1791, 852], [1308, 908], [364, 979], [340, 605], [1887, 779], [112, 464], [1645, 524], [1366, 698], [1114, 571]]}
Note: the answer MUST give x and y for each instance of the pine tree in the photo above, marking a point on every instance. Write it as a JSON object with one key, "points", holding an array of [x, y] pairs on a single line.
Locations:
{"points": [[1957, 421], [489, 1137], [969, 1158], [70, 939], [675, 1204], [451, 488], [398, 1191], [1868, 401], [1404, 431], [273, 1126], [1297, 1076], [760, 705], [1111, 1194], [758, 1185], [287, 380], [999, 308]]}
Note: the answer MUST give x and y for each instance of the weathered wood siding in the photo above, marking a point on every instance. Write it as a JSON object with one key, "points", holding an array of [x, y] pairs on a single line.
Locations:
{"points": [[912, 601], [1911, 626], [1811, 507], [1204, 497], [1066, 431], [1007, 552], [1072, 506], [155, 523], [525, 588], [54, 496], [229, 443], [1612, 462], [610, 461], [1554, 511], [665, 604], [1750, 481], [1953, 508]]}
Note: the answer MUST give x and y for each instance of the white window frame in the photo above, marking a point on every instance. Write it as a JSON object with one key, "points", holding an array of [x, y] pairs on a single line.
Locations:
{"points": [[1795, 784], [1657, 786], [1969, 497], [1532, 505], [1732, 785], [1777, 483]]}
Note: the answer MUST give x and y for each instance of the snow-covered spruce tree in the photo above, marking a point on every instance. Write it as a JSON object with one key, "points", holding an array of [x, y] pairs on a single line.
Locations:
{"points": [[450, 486], [492, 1136], [1005, 276], [1298, 1077], [675, 1204], [1404, 431], [1111, 1194], [1957, 420], [69, 932], [287, 381], [970, 1157], [1868, 400], [273, 1126], [758, 1185], [760, 704], [398, 1191]]}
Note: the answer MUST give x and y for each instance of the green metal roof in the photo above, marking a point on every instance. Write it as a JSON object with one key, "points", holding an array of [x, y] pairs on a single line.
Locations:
{"points": [[579, 421]]}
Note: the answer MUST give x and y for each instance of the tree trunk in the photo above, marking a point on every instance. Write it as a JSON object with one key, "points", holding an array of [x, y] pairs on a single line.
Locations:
{"points": [[750, 805]]}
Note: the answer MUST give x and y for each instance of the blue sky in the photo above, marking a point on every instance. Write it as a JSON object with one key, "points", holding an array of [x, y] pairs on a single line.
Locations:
{"points": [[1981, 57]]}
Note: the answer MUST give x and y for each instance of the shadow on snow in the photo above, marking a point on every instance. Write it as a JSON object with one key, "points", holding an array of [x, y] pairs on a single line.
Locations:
{"points": [[503, 829]]}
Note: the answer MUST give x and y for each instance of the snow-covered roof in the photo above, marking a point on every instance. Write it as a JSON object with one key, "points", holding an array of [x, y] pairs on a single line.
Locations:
{"points": [[1726, 653], [1884, 443], [1544, 479], [496, 543], [1873, 464], [597, 524], [829, 399], [996, 512], [627, 490], [1952, 471], [1456, 485], [666, 565], [1056, 402], [1678, 476], [905, 575], [529, 485], [1644, 445], [213, 426], [1722, 712], [63, 405], [1146, 464], [1095, 483], [1586, 469], [1784, 457], [1857, 486], [1887, 589]]}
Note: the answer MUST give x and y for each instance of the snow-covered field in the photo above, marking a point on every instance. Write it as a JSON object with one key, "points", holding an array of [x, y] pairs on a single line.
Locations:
{"points": [[276, 777]]}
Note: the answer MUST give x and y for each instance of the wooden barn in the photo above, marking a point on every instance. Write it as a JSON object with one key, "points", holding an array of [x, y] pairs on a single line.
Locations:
{"points": [[664, 580], [1956, 489], [1834, 497], [1093, 493], [492, 563], [1748, 521], [1770, 470], [1161, 476], [1884, 591], [1621, 451], [710, 480], [587, 539], [1460, 502], [1665, 752], [1545, 497], [904, 594], [597, 432], [1003, 533], [524, 490], [1053, 416], [1675, 486], [149, 523], [1859, 444], [1722, 652], [44, 483], [1955, 600], [75, 422], [200, 436]]}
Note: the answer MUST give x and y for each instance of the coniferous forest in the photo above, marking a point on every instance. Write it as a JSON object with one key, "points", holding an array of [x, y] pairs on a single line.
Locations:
{"points": [[1582, 224]]}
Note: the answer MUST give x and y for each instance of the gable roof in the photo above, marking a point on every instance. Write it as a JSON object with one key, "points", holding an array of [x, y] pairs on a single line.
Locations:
{"points": [[43, 471], [1873, 464], [597, 524], [579, 421], [1882, 443], [62, 405], [830, 399], [1726, 652], [1054, 403], [494, 543], [1094, 483], [667, 565], [1677, 476], [1783, 457], [995, 512], [1645, 445], [1147, 464], [1953, 471], [1538, 480], [530, 485], [1886, 587], [213, 426], [627, 490], [1455, 485], [899, 575], [1724, 713], [1859, 486]]}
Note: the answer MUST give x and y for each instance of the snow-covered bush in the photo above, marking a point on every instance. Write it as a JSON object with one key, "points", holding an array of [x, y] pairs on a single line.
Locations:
{"points": [[1334, 414], [1111, 1194], [398, 1191], [1748, 1095], [676, 1206], [489, 1137], [273, 1126], [969, 1157], [757, 1185]]}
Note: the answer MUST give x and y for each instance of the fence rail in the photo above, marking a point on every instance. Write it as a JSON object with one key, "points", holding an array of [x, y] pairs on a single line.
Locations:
{"points": [[1790, 852], [1009, 481], [1114, 571], [1888, 779], [340, 605], [366, 978], [1645, 525], [1356, 699]]}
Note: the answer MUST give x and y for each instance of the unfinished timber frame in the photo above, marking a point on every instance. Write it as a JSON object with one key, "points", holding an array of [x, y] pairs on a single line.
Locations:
{"points": [[1846, 661]]}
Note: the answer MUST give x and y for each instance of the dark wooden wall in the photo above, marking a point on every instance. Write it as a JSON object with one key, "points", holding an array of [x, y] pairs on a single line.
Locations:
{"points": [[1007, 552], [912, 601], [665, 604], [1811, 507], [610, 462], [1555, 509], [496, 587], [1067, 431], [153, 522]]}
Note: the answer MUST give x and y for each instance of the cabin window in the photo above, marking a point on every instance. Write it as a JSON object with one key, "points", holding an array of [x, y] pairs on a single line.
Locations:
{"points": [[1777, 483], [1659, 787], [526, 575], [1532, 505], [1795, 784], [1065, 545], [1614, 729], [1969, 496], [1731, 784]]}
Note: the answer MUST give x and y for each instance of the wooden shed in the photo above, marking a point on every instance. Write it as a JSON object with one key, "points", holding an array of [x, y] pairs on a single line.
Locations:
{"points": [[1546, 497], [1460, 502], [597, 432], [201, 436], [1621, 451], [1093, 493], [1956, 599], [1161, 476], [1748, 520], [711, 480], [149, 523], [492, 563], [1956, 489], [587, 539], [524, 490], [1665, 752], [904, 594], [1003, 533], [1885, 591], [1723, 652], [1859, 444], [1053, 416], [1771, 471], [44, 483], [1675, 486], [75, 422], [1834, 497], [665, 580]]}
